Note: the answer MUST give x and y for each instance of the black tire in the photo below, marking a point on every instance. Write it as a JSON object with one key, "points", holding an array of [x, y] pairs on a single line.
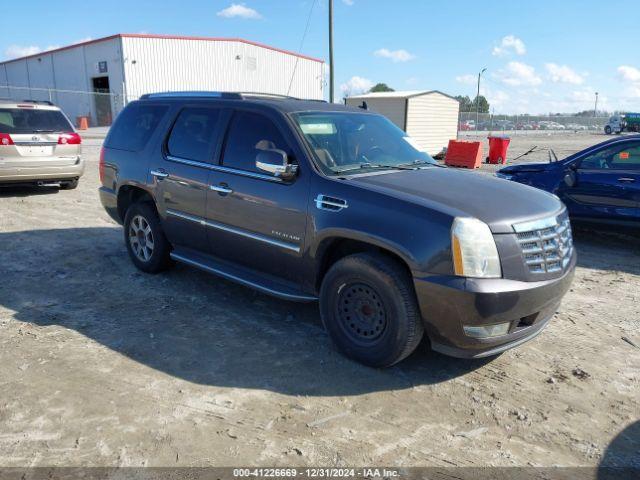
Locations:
{"points": [[150, 251], [607, 130], [69, 185], [369, 308]]}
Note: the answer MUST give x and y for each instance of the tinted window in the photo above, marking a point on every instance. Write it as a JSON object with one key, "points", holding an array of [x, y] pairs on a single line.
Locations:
{"points": [[248, 134], [26, 120], [134, 126], [192, 135], [619, 157]]}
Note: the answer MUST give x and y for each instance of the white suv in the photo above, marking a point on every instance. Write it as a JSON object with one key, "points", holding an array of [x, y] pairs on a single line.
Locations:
{"points": [[38, 145]]}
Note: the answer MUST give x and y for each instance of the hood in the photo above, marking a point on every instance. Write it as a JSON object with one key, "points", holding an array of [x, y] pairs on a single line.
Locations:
{"points": [[499, 203], [527, 167]]}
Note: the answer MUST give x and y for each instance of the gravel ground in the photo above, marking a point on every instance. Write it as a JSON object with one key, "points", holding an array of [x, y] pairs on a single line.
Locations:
{"points": [[105, 366]]}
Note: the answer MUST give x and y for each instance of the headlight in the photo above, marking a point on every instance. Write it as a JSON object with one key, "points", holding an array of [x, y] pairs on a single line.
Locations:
{"points": [[506, 176], [474, 249]]}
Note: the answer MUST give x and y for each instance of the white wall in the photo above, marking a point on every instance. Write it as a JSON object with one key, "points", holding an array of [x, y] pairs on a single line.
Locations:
{"points": [[392, 108], [164, 64], [65, 71], [432, 120]]}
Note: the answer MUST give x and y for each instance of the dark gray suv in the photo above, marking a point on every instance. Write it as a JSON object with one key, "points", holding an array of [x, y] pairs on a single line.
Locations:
{"points": [[310, 201]]}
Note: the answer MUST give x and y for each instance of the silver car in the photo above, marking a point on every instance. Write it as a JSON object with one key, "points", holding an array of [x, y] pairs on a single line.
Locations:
{"points": [[38, 145]]}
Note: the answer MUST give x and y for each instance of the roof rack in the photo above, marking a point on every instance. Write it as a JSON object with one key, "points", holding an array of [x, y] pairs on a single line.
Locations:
{"points": [[229, 95], [40, 102]]}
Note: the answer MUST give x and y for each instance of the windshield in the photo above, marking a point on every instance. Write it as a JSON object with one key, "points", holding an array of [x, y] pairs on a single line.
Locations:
{"points": [[350, 142], [24, 120]]}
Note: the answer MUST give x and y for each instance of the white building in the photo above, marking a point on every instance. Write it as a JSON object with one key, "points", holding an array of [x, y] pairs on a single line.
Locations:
{"points": [[126, 66], [429, 117]]}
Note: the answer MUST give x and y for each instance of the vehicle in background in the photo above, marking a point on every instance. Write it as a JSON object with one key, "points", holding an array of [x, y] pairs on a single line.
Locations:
{"points": [[38, 145], [599, 184], [576, 127], [467, 125], [550, 125], [628, 122], [503, 125], [307, 201]]}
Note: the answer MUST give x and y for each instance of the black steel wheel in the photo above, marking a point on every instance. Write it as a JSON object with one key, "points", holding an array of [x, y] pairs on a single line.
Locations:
{"points": [[369, 308]]}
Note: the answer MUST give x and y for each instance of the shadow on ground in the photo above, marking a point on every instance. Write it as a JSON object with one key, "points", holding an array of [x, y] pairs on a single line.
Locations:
{"points": [[621, 458], [607, 248], [26, 191], [188, 324], [195, 326]]}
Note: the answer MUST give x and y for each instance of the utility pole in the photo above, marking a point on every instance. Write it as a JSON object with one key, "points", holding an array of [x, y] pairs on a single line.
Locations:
{"points": [[595, 109], [478, 98], [331, 51]]}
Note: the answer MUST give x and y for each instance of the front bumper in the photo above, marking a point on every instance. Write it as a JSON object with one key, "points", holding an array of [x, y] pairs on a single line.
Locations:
{"points": [[23, 174], [447, 303]]}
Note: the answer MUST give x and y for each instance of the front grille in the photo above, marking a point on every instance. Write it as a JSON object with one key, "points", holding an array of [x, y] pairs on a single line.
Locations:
{"points": [[547, 245]]}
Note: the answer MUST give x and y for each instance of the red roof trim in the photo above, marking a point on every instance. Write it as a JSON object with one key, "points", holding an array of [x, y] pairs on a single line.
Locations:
{"points": [[165, 37]]}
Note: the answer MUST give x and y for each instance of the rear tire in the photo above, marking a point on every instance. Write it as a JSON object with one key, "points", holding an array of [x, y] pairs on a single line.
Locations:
{"points": [[607, 130], [146, 243], [69, 185], [369, 308]]}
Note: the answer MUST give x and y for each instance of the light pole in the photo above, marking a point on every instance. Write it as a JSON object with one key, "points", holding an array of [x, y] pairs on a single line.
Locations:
{"points": [[331, 51], [595, 109], [478, 98]]}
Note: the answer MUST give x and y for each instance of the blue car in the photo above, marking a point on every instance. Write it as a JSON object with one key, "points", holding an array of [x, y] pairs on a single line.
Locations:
{"points": [[599, 184]]}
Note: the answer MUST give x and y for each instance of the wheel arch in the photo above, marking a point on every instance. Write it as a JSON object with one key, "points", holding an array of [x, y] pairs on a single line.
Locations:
{"points": [[334, 245], [128, 195]]}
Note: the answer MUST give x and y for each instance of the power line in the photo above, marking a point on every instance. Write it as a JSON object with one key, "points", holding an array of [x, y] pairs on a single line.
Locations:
{"points": [[304, 35]]}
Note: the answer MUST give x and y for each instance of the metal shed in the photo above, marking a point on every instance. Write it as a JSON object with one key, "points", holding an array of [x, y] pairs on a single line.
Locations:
{"points": [[430, 117], [97, 78]]}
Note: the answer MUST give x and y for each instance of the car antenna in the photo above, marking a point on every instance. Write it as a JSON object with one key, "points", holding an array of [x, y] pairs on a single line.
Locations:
{"points": [[525, 153]]}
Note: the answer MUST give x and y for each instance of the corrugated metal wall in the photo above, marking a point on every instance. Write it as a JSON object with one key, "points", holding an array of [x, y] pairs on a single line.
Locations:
{"points": [[70, 69], [159, 64], [432, 120]]}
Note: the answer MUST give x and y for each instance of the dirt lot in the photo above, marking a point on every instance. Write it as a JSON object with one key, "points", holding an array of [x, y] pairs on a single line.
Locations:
{"points": [[102, 365]]}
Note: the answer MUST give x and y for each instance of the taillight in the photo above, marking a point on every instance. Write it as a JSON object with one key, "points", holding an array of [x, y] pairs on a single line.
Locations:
{"points": [[5, 139], [101, 165], [69, 139]]}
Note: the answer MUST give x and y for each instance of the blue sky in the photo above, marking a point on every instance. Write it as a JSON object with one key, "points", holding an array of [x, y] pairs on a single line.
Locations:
{"points": [[541, 56]]}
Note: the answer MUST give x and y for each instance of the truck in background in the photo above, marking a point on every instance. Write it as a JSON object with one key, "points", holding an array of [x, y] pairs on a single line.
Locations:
{"points": [[626, 122]]}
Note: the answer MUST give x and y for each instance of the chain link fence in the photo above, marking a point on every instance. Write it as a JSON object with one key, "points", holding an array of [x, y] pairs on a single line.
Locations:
{"points": [[100, 108], [523, 124]]}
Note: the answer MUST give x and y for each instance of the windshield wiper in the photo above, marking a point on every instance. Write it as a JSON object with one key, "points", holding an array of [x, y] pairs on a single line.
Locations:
{"points": [[42, 130], [375, 165], [417, 163]]}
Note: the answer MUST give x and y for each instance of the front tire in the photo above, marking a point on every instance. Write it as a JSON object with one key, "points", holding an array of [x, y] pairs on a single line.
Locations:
{"points": [[146, 243], [369, 308]]}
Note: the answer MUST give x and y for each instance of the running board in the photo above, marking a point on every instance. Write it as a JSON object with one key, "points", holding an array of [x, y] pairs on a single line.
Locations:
{"points": [[242, 276]]}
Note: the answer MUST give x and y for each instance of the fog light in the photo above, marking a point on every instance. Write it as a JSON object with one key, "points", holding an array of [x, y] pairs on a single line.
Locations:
{"points": [[487, 330]]}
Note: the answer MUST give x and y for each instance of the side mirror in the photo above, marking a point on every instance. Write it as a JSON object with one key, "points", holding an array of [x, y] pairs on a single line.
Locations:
{"points": [[570, 177], [275, 162]]}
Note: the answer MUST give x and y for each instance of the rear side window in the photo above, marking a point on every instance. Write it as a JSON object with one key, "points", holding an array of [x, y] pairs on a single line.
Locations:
{"points": [[248, 134], [31, 120], [134, 126], [193, 134]]}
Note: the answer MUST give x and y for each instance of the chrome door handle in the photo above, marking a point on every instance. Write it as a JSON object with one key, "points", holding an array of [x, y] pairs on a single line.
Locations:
{"points": [[627, 179], [220, 189], [159, 173]]}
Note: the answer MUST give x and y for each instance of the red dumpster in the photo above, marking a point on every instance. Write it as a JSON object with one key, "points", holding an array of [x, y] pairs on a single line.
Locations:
{"points": [[498, 149]]}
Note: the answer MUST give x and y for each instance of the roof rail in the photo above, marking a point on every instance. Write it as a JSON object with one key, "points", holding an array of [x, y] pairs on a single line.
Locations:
{"points": [[277, 95], [41, 102], [229, 95]]}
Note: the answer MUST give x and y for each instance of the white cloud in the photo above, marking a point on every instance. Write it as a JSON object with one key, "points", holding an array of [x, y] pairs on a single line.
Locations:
{"points": [[509, 44], [348, 2], [518, 74], [563, 74], [239, 10], [629, 74], [16, 51], [394, 55], [356, 85], [468, 79]]}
